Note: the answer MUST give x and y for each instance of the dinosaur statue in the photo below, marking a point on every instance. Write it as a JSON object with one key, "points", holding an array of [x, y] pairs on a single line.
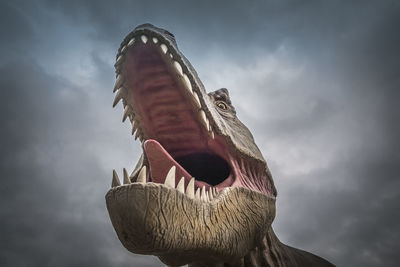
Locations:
{"points": [[201, 193]]}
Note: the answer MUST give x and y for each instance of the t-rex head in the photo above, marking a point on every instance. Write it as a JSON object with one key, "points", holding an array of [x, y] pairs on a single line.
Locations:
{"points": [[202, 191]]}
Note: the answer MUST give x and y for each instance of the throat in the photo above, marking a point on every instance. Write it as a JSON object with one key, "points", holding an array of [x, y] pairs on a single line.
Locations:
{"points": [[269, 251], [207, 167], [210, 170]]}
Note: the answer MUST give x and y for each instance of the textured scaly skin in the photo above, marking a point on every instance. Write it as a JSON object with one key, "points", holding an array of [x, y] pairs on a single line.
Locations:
{"points": [[234, 229]]}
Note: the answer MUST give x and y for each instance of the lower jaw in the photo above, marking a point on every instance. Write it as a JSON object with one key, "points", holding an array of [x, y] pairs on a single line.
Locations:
{"points": [[150, 218]]}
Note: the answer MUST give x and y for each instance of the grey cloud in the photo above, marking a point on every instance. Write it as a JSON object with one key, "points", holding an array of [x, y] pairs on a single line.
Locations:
{"points": [[52, 208], [330, 134]]}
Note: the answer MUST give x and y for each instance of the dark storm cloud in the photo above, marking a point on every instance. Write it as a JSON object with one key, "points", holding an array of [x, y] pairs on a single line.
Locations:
{"points": [[52, 209], [350, 199], [317, 82]]}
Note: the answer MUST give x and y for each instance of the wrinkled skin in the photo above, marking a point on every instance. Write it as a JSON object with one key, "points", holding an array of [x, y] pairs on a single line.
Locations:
{"points": [[223, 216]]}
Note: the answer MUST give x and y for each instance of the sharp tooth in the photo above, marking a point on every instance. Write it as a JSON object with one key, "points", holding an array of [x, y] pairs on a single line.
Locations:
{"points": [[115, 180], [181, 186], [203, 194], [164, 48], [197, 194], [215, 192], [207, 123], [131, 42], [190, 188], [178, 67], [144, 38], [137, 134], [197, 100], [170, 179], [132, 117], [211, 132], [118, 82], [210, 194], [187, 82], [126, 113], [119, 60], [170, 55], [123, 49], [155, 40], [134, 127], [142, 175], [204, 119], [118, 97], [126, 177]]}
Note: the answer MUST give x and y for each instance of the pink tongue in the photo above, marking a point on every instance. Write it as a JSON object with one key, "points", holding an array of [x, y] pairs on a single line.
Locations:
{"points": [[160, 162]]}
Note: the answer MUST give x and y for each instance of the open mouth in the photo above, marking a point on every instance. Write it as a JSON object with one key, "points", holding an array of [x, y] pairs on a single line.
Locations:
{"points": [[201, 193], [200, 167], [171, 119]]}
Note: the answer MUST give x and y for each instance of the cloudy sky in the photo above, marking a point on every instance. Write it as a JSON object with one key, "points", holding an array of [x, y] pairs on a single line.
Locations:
{"points": [[317, 82]]}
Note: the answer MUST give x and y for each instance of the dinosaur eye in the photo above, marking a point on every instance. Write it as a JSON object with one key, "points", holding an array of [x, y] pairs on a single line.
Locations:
{"points": [[222, 105]]}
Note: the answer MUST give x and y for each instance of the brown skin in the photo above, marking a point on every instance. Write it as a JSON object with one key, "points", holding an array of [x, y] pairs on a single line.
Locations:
{"points": [[153, 219], [232, 229]]}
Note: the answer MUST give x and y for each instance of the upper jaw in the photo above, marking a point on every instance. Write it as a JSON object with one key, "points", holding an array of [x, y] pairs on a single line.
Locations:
{"points": [[147, 63], [163, 47], [207, 128]]}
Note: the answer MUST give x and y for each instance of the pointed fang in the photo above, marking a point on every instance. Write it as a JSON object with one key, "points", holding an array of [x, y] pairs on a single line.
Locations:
{"points": [[117, 98], [190, 188], [137, 134], [187, 83], [126, 113], [118, 82], [164, 48], [178, 67], [126, 177], [119, 60], [181, 186], [170, 179], [115, 181], [142, 175], [196, 98], [204, 119], [203, 194], [197, 194], [134, 126], [144, 38], [131, 42]]}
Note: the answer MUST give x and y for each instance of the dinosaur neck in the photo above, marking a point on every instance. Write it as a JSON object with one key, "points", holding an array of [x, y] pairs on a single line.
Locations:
{"points": [[271, 252], [267, 253]]}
